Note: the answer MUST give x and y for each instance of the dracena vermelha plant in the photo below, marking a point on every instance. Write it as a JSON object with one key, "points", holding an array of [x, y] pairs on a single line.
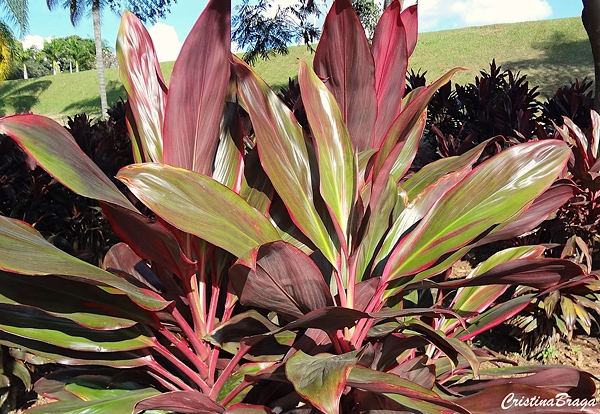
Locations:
{"points": [[282, 267]]}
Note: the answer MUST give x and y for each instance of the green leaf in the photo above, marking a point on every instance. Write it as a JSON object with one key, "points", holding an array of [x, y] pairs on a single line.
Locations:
{"points": [[46, 353], [85, 304], [489, 195], [476, 299], [434, 171], [199, 205], [321, 379], [55, 150], [23, 250], [36, 325], [284, 155], [123, 404], [236, 378], [142, 79], [336, 157]]}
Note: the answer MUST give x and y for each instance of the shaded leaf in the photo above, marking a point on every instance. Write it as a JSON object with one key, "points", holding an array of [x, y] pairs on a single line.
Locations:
{"points": [[118, 405], [279, 277], [83, 303], [188, 402]]}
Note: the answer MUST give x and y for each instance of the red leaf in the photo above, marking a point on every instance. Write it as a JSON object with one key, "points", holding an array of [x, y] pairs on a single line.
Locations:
{"points": [[344, 59], [280, 277], [391, 60], [187, 402], [197, 91], [148, 239], [411, 26]]}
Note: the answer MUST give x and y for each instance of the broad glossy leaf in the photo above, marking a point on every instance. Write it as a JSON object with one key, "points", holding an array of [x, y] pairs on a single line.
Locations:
{"points": [[390, 53], [279, 277], [493, 317], [118, 405], [436, 170], [416, 210], [343, 58], [336, 157], [321, 378], [541, 209], [199, 205], [23, 250], [36, 325], [478, 203], [55, 150], [83, 303], [142, 79], [284, 155], [192, 402], [197, 91], [474, 300]]}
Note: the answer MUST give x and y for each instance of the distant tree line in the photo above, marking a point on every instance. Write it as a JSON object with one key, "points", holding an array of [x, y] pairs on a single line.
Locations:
{"points": [[59, 55]]}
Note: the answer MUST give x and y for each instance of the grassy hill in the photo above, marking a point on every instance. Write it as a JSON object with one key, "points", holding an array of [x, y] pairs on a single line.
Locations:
{"points": [[551, 53]]}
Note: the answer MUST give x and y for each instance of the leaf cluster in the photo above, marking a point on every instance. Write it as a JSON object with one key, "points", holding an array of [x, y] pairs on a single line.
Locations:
{"points": [[284, 267]]}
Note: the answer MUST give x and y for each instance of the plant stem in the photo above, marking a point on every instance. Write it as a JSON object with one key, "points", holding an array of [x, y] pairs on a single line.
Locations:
{"points": [[182, 367], [159, 371], [198, 346], [244, 348]]}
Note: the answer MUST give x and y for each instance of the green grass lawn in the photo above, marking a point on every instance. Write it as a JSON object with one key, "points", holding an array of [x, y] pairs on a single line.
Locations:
{"points": [[552, 53]]}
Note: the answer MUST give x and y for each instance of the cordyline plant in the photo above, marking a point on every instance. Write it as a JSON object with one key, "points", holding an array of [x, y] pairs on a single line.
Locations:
{"points": [[284, 268]]}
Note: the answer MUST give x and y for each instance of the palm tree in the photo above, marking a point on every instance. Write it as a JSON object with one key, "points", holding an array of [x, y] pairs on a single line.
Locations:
{"points": [[144, 9], [15, 11], [77, 9]]}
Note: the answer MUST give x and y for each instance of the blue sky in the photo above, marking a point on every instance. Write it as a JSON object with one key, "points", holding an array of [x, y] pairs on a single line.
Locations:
{"points": [[433, 15]]}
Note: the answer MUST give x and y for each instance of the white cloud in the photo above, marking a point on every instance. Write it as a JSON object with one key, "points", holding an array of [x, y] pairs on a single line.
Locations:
{"points": [[479, 12], [166, 42], [34, 40]]}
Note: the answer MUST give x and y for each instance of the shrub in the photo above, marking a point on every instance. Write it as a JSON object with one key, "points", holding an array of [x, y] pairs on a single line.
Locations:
{"points": [[284, 269], [72, 223]]}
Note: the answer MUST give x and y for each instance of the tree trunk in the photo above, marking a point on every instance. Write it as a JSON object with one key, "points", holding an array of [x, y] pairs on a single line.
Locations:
{"points": [[99, 59], [591, 21], [25, 76]]}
